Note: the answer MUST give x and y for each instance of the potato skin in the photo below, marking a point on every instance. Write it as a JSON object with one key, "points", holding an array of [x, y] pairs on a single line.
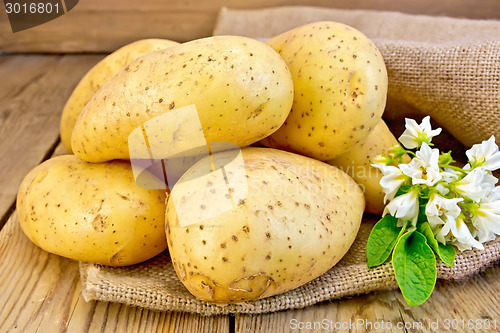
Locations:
{"points": [[241, 87], [91, 212], [357, 164], [98, 75], [340, 83], [298, 220]]}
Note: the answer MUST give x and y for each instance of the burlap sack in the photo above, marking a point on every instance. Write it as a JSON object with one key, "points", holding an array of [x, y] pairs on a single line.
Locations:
{"points": [[155, 285], [447, 68]]}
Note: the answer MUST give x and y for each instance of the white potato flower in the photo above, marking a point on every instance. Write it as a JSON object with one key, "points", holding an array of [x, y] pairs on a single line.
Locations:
{"points": [[404, 207], [391, 181], [424, 168], [476, 185], [485, 155], [450, 175], [442, 189], [494, 194], [462, 204], [486, 217], [415, 134], [441, 210], [464, 240], [442, 233]]}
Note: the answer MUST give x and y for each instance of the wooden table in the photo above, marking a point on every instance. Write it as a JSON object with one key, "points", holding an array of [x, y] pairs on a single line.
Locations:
{"points": [[41, 292]]}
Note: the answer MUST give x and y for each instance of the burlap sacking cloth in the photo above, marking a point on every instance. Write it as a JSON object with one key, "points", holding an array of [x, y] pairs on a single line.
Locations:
{"points": [[155, 285], [447, 68]]}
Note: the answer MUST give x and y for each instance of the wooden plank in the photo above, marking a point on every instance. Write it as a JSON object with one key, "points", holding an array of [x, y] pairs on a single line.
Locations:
{"points": [[41, 292], [113, 23], [33, 90], [474, 299], [469, 300]]}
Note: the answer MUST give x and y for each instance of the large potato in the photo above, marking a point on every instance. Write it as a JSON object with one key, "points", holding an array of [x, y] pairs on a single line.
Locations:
{"points": [[357, 163], [298, 219], [241, 88], [91, 212], [340, 83], [98, 75]]}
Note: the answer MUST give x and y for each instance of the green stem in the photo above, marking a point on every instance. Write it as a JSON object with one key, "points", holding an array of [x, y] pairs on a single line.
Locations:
{"points": [[409, 152], [452, 167]]}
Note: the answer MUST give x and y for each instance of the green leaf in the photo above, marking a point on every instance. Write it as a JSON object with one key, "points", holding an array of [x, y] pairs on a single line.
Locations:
{"points": [[445, 252], [382, 240], [415, 267]]}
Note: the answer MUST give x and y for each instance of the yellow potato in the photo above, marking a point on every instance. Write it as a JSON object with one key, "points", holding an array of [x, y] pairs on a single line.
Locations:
{"points": [[241, 88], [91, 212], [340, 84], [98, 75], [291, 219], [357, 164]]}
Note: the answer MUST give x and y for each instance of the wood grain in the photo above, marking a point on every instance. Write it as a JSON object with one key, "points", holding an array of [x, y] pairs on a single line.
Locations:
{"points": [[475, 298], [33, 90], [103, 26], [41, 292]]}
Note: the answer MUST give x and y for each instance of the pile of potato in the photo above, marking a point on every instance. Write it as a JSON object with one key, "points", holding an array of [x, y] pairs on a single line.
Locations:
{"points": [[312, 94]]}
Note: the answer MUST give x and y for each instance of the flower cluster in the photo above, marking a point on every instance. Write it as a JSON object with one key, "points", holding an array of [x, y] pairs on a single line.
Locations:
{"points": [[461, 204]]}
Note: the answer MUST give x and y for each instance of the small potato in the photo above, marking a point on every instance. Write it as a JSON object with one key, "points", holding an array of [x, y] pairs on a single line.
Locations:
{"points": [[340, 84], [292, 220], [241, 88], [98, 75], [91, 212], [357, 164]]}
